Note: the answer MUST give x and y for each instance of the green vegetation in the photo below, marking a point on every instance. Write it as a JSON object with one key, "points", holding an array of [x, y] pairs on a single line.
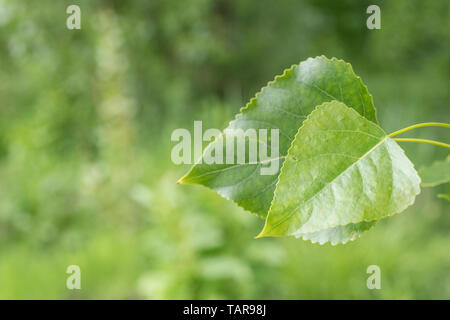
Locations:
{"points": [[436, 174], [348, 175], [283, 104], [340, 173], [85, 171]]}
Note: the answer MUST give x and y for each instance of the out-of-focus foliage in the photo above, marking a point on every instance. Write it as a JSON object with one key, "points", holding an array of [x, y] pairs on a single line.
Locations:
{"points": [[85, 170], [436, 174]]}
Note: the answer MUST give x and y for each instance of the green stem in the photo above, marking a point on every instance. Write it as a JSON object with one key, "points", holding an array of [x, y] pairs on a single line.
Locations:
{"points": [[419, 125], [436, 143]]}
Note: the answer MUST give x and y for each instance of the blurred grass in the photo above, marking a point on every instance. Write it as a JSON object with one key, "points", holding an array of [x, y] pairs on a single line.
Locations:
{"points": [[85, 170]]}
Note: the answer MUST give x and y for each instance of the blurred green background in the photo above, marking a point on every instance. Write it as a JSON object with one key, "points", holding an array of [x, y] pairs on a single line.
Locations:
{"points": [[85, 171]]}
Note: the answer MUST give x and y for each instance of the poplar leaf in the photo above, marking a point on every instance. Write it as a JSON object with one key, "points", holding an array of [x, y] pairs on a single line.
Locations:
{"points": [[341, 171], [283, 104], [436, 174]]}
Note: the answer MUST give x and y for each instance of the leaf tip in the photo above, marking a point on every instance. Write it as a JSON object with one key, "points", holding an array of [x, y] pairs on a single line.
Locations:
{"points": [[265, 232], [181, 180], [260, 235], [185, 179]]}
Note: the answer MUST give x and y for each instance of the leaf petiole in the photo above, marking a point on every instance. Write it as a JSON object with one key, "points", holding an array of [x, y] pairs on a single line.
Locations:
{"points": [[419, 125], [436, 143]]}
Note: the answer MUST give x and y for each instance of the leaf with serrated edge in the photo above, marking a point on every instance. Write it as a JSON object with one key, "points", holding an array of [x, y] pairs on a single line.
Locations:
{"points": [[436, 174], [341, 169], [283, 104], [340, 234]]}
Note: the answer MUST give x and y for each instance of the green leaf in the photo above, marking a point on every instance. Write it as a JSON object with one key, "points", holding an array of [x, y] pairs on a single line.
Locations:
{"points": [[341, 170], [445, 196], [283, 104], [339, 234], [436, 174]]}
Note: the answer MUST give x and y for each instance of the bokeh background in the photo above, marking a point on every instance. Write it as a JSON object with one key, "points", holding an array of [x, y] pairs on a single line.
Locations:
{"points": [[85, 171]]}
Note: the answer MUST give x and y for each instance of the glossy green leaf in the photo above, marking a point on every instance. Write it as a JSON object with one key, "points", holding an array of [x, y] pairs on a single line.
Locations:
{"points": [[445, 196], [283, 104], [341, 170], [436, 174]]}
